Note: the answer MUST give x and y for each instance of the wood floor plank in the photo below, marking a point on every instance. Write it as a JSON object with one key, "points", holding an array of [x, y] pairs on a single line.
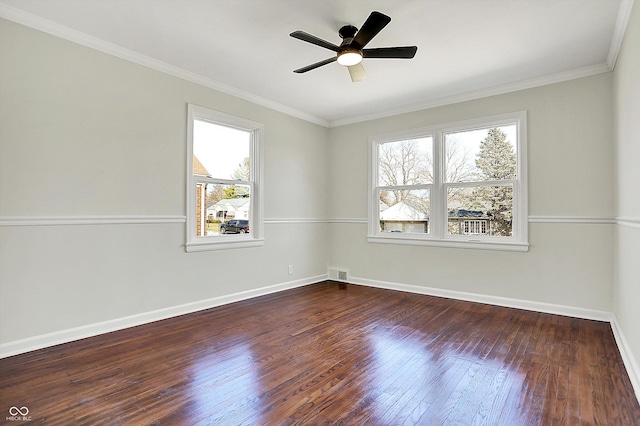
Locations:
{"points": [[336, 355]]}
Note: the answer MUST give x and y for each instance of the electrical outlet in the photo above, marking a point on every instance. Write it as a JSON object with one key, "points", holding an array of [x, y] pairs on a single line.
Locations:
{"points": [[290, 269]]}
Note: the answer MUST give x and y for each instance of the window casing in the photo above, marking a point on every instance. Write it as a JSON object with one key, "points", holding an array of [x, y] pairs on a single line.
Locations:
{"points": [[216, 196], [460, 185]]}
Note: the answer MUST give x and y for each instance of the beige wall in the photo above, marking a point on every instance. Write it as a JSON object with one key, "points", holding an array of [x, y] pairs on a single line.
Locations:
{"points": [[627, 130], [570, 159], [86, 134]]}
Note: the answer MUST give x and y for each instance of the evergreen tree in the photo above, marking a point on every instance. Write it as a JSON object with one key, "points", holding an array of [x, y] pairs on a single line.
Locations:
{"points": [[243, 171], [496, 161]]}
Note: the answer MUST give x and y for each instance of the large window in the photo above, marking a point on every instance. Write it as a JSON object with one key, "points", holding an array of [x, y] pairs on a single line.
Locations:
{"points": [[224, 207], [455, 185]]}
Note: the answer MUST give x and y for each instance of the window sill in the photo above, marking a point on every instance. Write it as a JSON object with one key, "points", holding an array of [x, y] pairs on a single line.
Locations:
{"points": [[478, 245], [223, 245]]}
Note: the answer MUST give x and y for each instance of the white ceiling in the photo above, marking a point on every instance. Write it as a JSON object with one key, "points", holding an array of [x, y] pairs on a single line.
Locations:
{"points": [[466, 48]]}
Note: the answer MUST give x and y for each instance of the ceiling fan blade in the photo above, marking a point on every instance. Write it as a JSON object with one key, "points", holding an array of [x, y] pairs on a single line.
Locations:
{"points": [[404, 52], [371, 27], [357, 73], [314, 66], [301, 35]]}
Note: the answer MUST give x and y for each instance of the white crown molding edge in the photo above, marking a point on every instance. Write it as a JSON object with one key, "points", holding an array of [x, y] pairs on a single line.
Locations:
{"points": [[630, 363], [65, 336], [624, 12], [53, 28], [21, 17], [481, 93]]}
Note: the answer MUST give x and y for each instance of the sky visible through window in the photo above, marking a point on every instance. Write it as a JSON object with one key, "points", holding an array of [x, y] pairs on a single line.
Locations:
{"points": [[474, 137], [465, 145], [220, 149]]}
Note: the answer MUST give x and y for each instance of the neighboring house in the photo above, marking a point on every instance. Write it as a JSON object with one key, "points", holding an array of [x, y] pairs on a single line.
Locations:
{"points": [[403, 217], [231, 208], [201, 197], [468, 222]]}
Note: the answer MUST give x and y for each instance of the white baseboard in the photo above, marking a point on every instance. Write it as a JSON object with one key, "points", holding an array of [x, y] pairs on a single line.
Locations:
{"points": [[528, 305], [64, 336], [633, 370]]}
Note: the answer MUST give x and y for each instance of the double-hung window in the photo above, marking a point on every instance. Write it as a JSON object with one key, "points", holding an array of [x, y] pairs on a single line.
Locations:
{"points": [[224, 202], [455, 185]]}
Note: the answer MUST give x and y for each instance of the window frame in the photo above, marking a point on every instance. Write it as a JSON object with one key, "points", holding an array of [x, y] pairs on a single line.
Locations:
{"points": [[438, 235], [255, 237]]}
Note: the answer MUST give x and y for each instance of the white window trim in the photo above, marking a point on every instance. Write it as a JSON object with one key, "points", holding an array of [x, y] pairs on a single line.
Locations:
{"points": [[255, 237], [437, 236]]}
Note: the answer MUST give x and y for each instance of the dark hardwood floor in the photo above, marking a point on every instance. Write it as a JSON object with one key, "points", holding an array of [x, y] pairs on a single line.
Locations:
{"points": [[322, 354]]}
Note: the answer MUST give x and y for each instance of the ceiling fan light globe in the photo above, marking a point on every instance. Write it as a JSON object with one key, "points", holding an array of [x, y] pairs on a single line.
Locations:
{"points": [[349, 58]]}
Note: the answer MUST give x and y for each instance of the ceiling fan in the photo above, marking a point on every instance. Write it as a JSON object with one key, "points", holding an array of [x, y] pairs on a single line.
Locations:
{"points": [[352, 49]]}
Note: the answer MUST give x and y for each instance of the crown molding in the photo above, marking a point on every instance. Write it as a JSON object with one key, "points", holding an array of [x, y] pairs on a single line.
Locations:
{"points": [[481, 93], [64, 32], [58, 30], [624, 12]]}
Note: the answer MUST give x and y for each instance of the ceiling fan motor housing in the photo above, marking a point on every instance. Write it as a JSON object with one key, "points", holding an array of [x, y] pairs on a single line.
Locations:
{"points": [[347, 32]]}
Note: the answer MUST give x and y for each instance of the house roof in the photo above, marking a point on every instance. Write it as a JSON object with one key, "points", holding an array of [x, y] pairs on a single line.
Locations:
{"points": [[405, 212], [463, 213], [234, 203], [198, 168], [402, 211]]}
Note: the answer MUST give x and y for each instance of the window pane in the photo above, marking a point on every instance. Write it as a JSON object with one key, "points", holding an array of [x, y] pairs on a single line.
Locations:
{"points": [[404, 211], [481, 210], [407, 162], [217, 205], [484, 154], [220, 152]]}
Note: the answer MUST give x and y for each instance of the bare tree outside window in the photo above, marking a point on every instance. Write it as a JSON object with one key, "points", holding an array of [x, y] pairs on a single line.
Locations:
{"points": [[461, 184]]}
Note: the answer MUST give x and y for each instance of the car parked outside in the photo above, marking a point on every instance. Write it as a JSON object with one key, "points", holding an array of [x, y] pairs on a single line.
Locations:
{"points": [[236, 226]]}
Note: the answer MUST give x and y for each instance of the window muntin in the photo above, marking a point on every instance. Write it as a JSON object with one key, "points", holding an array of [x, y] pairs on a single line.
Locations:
{"points": [[474, 174], [224, 174]]}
